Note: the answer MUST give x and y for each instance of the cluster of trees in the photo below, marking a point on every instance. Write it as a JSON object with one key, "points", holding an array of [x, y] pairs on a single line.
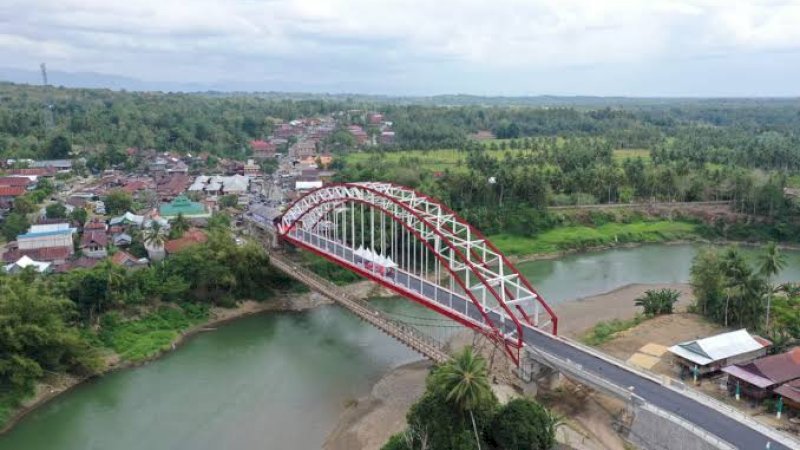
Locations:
{"points": [[731, 291], [509, 191], [38, 334], [111, 121], [458, 411], [216, 272]]}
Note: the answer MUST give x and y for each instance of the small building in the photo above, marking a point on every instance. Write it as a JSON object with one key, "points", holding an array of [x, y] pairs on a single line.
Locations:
{"points": [[46, 236], [263, 149], [24, 262], [61, 165], [55, 255], [305, 186], [182, 205], [122, 240], [94, 243], [759, 378], [125, 259], [9, 193], [127, 219], [709, 355]]}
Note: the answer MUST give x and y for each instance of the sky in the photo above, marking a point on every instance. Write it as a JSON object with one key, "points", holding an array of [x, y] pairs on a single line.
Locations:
{"points": [[417, 47]]}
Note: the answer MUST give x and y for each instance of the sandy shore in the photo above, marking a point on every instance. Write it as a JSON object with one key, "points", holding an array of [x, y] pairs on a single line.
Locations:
{"points": [[368, 424], [576, 316]]}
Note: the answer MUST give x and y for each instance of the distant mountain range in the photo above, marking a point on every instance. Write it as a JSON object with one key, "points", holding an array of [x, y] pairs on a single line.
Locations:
{"points": [[116, 82]]}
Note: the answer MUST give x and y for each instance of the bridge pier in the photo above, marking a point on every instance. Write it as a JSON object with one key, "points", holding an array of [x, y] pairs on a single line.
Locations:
{"points": [[535, 375]]}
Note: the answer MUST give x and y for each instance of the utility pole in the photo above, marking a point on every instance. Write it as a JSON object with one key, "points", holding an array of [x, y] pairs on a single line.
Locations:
{"points": [[47, 112]]}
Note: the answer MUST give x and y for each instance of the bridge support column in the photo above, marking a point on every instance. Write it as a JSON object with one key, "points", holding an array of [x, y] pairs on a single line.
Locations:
{"points": [[537, 375]]}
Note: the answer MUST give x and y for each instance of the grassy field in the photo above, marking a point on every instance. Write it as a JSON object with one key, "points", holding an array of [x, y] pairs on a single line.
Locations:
{"points": [[441, 159], [141, 339], [628, 153], [579, 237], [605, 331]]}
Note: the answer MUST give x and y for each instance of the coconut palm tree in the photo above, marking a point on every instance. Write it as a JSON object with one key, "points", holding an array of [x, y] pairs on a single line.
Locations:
{"points": [[772, 261], [466, 383], [179, 226], [154, 239]]}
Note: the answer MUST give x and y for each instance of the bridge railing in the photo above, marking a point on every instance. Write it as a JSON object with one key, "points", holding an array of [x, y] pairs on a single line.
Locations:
{"points": [[405, 333]]}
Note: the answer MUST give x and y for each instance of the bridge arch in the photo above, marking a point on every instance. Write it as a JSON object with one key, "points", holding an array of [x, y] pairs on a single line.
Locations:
{"points": [[419, 248]]}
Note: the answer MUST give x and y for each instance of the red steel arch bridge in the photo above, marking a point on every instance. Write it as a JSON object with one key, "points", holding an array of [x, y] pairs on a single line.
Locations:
{"points": [[422, 250]]}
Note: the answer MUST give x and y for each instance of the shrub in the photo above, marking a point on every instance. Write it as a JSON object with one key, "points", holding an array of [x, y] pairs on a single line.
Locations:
{"points": [[524, 424]]}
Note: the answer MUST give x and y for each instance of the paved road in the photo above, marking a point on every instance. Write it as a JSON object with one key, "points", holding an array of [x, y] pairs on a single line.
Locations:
{"points": [[717, 423]]}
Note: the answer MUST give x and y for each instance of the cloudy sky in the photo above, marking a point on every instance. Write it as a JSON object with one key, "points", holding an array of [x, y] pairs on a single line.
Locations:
{"points": [[488, 47]]}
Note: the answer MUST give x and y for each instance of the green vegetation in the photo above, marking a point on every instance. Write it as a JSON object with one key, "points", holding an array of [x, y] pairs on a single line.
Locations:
{"points": [[55, 324], [603, 332], [142, 338], [458, 411], [37, 336], [333, 272], [581, 237], [657, 302], [732, 292]]}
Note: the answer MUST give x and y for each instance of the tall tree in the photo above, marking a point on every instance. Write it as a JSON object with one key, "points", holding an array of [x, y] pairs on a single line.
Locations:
{"points": [[466, 381], [772, 262]]}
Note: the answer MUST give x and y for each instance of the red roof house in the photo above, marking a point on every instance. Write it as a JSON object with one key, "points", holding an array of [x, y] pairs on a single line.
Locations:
{"points": [[759, 378]]}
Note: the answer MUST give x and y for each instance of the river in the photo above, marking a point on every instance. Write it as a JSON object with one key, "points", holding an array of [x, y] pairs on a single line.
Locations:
{"points": [[280, 380]]}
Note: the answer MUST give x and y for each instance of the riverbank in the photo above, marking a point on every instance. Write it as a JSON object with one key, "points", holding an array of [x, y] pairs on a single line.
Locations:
{"points": [[55, 386], [373, 419]]}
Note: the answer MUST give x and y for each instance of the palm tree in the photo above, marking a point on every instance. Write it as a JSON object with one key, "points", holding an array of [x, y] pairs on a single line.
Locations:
{"points": [[772, 262], [179, 225], [154, 239], [465, 380]]}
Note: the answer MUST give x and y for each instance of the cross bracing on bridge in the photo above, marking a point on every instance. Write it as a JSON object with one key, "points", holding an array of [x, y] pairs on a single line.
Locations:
{"points": [[419, 247]]}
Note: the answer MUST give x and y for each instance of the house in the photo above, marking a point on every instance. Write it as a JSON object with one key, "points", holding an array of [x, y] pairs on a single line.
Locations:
{"points": [[25, 182], [9, 193], [185, 207], [125, 259], [55, 255], [387, 137], [251, 169], [263, 149], [24, 262], [172, 185], [358, 133], [711, 354], [35, 172], [375, 118], [122, 240], [84, 262], [305, 186], [221, 185], [93, 244], [192, 236], [46, 236], [127, 219], [60, 165], [303, 149], [759, 378]]}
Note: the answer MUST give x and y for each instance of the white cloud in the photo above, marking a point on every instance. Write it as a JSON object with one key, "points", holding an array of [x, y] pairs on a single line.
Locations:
{"points": [[417, 37]]}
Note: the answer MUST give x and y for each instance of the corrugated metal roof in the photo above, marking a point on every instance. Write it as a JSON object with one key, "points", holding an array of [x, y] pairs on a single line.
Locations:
{"points": [[776, 369], [716, 348]]}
